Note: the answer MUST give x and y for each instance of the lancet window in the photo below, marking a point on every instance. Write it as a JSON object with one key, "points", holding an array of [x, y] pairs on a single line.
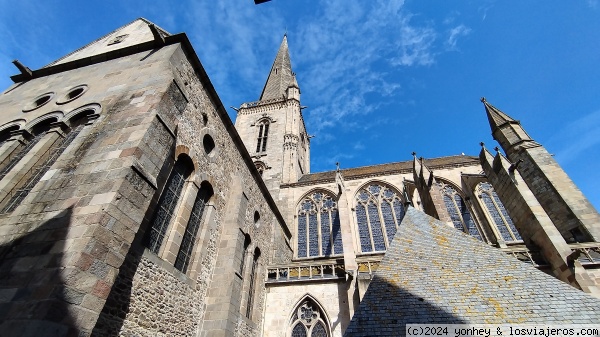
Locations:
{"points": [[497, 212], [252, 284], [263, 133], [459, 213], [308, 321], [189, 237], [167, 204], [379, 212], [319, 231]]}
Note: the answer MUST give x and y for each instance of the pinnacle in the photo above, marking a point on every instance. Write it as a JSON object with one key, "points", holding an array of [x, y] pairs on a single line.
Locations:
{"points": [[495, 116]]}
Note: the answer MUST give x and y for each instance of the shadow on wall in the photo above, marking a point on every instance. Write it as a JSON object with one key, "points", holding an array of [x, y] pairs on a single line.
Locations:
{"points": [[117, 306], [389, 308], [34, 298]]}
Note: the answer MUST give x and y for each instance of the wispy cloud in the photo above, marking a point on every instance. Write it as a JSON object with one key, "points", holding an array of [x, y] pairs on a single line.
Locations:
{"points": [[454, 34], [577, 138]]}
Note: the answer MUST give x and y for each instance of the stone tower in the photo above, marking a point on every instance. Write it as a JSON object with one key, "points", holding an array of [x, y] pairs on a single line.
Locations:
{"points": [[570, 211], [273, 127]]}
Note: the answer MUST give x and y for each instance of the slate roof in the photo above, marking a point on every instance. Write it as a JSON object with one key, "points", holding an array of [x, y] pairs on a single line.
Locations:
{"points": [[433, 273], [389, 168], [281, 76]]}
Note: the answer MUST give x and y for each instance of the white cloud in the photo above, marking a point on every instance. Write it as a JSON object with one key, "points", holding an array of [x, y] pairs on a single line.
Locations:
{"points": [[576, 138], [454, 34]]}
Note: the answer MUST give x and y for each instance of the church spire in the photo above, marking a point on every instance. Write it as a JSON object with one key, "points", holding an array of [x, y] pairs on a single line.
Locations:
{"points": [[281, 76], [496, 117]]}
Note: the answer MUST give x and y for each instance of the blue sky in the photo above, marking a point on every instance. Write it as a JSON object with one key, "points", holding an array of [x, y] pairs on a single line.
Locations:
{"points": [[381, 78]]}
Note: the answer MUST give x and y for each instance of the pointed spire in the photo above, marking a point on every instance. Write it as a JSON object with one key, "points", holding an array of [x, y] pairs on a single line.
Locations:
{"points": [[281, 76], [495, 116]]}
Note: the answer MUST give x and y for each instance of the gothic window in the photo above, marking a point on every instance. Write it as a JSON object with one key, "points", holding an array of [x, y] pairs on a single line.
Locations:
{"points": [[308, 320], [35, 173], [189, 237], [252, 284], [459, 213], [167, 204], [319, 231], [497, 212], [263, 133], [379, 211]]}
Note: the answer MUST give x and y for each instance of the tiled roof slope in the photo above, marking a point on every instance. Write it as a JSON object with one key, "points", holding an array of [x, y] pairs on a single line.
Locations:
{"points": [[397, 167], [433, 273]]}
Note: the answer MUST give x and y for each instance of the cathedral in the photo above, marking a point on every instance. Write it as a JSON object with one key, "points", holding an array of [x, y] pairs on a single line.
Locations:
{"points": [[132, 205]]}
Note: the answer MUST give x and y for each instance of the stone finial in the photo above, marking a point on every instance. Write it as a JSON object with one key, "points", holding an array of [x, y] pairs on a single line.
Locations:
{"points": [[483, 100], [482, 144], [497, 149], [414, 154], [337, 166]]}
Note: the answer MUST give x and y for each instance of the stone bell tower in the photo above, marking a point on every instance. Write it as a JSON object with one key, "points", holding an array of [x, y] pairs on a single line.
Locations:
{"points": [[273, 129]]}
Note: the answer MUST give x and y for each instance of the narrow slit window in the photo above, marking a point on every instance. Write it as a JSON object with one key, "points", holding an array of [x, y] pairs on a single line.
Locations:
{"points": [[251, 286]]}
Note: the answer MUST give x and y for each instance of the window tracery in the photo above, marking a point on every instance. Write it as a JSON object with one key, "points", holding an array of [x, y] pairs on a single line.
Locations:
{"points": [[308, 320], [499, 215], [319, 232], [379, 212], [263, 133], [167, 205], [459, 213]]}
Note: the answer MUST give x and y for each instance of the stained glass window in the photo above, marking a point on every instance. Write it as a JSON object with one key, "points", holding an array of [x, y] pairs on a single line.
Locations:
{"points": [[263, 133], [308, 320], [167, 205], [189, 237], [459, 213], [379, 212], [35, 173], [498, 213], [319, 226]]}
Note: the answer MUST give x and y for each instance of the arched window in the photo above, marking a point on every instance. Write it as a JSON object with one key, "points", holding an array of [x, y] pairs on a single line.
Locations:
{"points": [[308, 320], [167, 204], [497, 212], [14, 159], [35, 173], [263, 133], [319, 226], [251, 286], [379, 211], [459, 213], [191, 230]]}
